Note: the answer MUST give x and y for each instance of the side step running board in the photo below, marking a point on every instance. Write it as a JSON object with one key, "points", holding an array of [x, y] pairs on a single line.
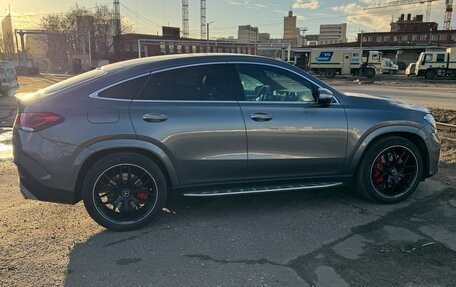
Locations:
{"points": [[262, 189]]}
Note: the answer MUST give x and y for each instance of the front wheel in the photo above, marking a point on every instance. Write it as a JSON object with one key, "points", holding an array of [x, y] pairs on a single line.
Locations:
{"points": [[390, 170], [370, 73], [431, 75], [124, 191]]}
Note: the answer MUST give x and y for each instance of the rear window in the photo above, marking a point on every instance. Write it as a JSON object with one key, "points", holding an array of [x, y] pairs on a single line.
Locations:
{"points": [[79, 79], [126, 90]]}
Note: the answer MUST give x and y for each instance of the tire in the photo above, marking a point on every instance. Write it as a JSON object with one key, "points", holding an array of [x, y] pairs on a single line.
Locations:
{"points": [[370, 180], [330, 73], [370, 73], [431, 75], [134, 183]]}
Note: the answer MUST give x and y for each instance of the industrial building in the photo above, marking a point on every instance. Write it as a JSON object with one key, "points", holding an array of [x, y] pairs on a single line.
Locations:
{"points": [[410, 32], [291, 31], [247, 34], [333, 33]]}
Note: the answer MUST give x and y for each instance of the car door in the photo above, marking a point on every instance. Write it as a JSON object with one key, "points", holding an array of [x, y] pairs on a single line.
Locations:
{"points": [[191, 115], [288, 133]]}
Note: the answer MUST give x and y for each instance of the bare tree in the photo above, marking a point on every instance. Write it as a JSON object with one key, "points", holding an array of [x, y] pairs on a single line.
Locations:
{"points": [[65, 32]]}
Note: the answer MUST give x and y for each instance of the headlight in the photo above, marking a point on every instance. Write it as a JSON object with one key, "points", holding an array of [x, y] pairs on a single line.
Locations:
{"points": [[430, 119]]}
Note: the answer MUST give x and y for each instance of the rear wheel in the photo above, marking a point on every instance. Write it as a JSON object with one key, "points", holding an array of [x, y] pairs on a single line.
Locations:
{"points": [[124, 191], [390, 170], [331, 73]]}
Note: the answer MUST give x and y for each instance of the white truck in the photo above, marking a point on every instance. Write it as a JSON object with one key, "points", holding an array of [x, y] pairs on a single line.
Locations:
{"points": [[389, 67], [332, 62], [436, 64]]}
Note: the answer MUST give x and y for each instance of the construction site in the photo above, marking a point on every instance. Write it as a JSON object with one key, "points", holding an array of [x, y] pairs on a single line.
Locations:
{"points": [[91, 43]]}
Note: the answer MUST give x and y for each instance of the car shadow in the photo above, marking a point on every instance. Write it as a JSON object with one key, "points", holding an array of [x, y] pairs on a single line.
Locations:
{"points": [[230, 241]]}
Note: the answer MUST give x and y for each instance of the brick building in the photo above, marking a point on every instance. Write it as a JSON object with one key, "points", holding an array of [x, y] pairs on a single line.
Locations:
{"points": [[410, 32]]}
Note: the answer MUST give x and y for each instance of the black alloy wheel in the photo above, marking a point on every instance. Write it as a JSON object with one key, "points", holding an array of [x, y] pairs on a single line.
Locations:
{"points": [[390, 170], [124, 191], [394, 171]]}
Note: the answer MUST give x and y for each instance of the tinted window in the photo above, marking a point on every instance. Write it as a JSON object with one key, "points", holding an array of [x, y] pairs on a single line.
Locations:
{"points": [[440, 57], [125, 90], [158, 87], [264, 83], [203, 83]]}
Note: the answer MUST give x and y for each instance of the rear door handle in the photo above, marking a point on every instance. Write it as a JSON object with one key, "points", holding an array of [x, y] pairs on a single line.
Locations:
{"points": [[261, 117], [154, 118]]}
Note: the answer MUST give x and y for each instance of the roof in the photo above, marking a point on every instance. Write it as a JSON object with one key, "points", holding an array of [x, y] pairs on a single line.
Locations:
{"points": [[147, 64]]}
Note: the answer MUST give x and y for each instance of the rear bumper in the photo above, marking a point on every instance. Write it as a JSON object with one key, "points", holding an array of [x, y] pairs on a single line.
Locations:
{"points": [[45, 168], [32, 188]]}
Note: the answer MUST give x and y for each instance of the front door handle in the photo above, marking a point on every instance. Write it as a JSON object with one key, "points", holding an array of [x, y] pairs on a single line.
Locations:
{"points": [[261, 117], [154, 118]]}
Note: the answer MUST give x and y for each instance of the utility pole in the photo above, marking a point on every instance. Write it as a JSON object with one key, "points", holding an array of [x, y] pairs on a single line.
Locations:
{"points": [[207, 34], [117, 30]]}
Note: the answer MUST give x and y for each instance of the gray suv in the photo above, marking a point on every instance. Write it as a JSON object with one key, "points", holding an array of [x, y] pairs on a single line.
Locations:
{"points": [[124, 137]]}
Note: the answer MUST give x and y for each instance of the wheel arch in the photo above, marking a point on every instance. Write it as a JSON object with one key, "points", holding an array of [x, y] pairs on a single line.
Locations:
{"points": [[101, 149], [415, 135]]}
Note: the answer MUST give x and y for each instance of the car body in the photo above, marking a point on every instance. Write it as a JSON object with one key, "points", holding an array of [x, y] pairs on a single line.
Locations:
{"points": [[410, 71], [389, 67], [8, 78], [208, 125]]}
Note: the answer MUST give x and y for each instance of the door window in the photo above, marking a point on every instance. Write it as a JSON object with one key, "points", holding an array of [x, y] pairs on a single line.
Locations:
{"points": [[158, 87], [270, 84], [199, 83]]}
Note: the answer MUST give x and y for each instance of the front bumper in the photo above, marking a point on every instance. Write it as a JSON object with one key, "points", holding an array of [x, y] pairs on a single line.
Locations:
{"points": [[433, 145]]}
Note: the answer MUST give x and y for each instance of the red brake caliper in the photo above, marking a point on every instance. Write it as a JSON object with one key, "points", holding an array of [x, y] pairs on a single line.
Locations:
{"points": [[143, 194], [378, 179]]}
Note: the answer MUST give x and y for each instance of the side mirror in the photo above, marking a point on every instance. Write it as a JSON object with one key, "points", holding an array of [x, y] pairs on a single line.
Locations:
{"points": [[325, 96]]}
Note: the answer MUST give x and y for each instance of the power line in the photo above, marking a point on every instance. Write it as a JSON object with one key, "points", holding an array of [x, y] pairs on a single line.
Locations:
{"points": [[139, 16]]}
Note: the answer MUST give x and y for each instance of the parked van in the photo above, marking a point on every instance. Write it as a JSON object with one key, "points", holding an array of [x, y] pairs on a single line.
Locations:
{"points": [[8, 78]]}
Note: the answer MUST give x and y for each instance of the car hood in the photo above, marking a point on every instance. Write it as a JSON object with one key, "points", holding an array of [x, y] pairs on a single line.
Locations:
{"points": [[382, 102]]}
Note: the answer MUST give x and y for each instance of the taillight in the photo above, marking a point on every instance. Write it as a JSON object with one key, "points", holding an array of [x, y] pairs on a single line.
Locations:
{"points": [[33, 122]]}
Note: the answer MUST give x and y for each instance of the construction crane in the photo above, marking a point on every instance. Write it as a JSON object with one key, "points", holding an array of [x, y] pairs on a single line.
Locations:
{"points": [[448, 12], [185, 29], [395, 3], [203, 19]]}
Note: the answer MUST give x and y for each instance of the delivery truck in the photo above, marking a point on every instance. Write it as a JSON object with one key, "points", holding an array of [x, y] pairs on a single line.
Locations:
{"points": [[332, 62], [432, 65]]}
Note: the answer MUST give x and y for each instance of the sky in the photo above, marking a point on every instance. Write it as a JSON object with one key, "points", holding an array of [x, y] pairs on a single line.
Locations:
{"points": [[147, 16]]}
